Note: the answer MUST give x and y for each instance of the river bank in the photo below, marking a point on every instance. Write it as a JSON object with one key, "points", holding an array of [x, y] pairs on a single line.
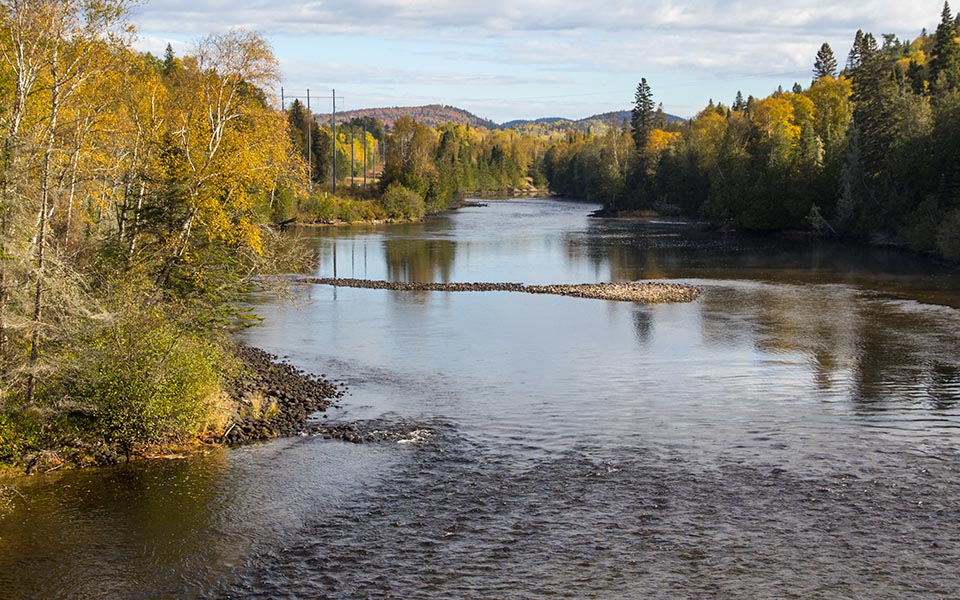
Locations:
{"points": [[272, 399]]}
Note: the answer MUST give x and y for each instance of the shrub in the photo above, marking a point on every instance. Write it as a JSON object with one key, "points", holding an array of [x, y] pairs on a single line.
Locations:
{"points": [[147, 380], [401, 203], [326, 208]]}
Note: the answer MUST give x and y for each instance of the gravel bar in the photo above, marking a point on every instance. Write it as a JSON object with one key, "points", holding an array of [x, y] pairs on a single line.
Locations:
{"points": [[646, 292]]}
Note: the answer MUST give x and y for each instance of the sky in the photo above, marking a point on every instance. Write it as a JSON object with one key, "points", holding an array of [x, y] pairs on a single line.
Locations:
{"points": [[525, 59]]}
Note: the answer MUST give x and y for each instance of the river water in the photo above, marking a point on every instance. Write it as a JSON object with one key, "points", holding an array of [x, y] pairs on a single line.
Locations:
{"points": [[794, 433]]}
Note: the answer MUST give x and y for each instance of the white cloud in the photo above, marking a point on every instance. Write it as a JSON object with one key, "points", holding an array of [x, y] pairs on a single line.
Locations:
{"points": [[433, 17], [508, 56]]}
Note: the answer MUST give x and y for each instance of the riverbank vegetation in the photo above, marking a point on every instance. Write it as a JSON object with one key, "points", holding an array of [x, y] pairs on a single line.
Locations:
{"points": [[136, 193], [405, 171], [870, 151]]}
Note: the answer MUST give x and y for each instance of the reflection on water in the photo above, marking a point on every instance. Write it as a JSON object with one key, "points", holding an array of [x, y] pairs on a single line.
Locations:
{"points": [[793, 433]]}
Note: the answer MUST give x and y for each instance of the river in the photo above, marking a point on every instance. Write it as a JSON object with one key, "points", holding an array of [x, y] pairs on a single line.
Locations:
{"points": [[794, 433]]}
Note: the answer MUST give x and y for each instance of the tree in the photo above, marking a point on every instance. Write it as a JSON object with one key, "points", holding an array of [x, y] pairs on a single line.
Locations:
{"points": [[854, 57], [945, 64], [169, 60], [642, 116], [825, 63], [55, 51], [739, 104]]}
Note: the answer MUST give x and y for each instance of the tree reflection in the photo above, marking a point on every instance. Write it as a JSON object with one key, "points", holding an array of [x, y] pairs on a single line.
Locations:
{"points": [[419, 260], [878, 353]]}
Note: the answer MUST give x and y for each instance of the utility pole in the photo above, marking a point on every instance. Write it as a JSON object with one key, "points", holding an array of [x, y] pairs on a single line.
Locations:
{"points": [[310, 120], [309, 141], [364, 161], [353, 170], [334, 142]]}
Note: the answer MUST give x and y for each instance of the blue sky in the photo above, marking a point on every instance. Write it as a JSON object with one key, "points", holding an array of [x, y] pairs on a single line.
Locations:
{"points": [[512, 59]]}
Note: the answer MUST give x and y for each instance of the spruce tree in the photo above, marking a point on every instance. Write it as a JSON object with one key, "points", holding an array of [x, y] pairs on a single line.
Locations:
{"points": [[739, 104], [825, 63], [945, 65], [169, 60], [853, 59], [642, 117]]}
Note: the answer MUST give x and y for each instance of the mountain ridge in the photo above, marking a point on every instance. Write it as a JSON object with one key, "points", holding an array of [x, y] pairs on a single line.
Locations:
{"points": [[438, 114]]}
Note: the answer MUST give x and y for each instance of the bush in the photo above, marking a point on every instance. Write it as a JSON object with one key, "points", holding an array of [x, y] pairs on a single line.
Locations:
{"points": [[401, 203], [146, 380], [327, 208]]}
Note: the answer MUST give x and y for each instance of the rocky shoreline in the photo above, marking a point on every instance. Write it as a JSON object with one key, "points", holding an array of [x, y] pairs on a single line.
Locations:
{"points": [[646, 292], [276, 398]]}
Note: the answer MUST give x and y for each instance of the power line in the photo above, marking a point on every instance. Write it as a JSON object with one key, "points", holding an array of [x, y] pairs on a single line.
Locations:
{"points": [[333, 97]]}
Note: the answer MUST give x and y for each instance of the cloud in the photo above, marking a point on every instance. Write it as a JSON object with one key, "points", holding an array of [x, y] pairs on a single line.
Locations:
{"points": [[502, 57], [493, 17], [365, 74]]}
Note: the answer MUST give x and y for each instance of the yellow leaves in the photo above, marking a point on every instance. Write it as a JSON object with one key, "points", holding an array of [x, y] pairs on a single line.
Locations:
{"points": [[708, 128], [660, 140], [802, 108], [231, 147], [832, 109], [774, 117]]}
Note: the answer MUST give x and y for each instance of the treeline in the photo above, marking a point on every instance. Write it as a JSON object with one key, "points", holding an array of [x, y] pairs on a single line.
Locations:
{"points": [[872, 151], [407, 170], [134, 195]]}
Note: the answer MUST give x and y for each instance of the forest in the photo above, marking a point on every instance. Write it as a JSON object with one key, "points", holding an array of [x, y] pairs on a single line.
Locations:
{"points": [[136, 191], [869, 151]]}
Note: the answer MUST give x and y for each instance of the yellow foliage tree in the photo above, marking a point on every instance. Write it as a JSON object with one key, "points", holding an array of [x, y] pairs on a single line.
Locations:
{"points": [[774, 117], [660, 140]]}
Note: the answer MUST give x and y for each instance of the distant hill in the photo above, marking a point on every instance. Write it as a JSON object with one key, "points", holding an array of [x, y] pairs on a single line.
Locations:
{"points": [[437, 114], [596, 123], [431, 114], [619, 115], [540, 121]]}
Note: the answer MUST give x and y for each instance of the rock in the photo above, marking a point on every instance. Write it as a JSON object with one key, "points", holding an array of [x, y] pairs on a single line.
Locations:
{"points": [[295, 394]]}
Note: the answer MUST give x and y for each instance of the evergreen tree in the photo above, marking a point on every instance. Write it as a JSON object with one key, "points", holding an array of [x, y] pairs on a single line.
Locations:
{"points": [[945, 65], [853, 59], [825, 63], [659, 117], [169, 60], [739, 104], [297, 118], [642, 117]]}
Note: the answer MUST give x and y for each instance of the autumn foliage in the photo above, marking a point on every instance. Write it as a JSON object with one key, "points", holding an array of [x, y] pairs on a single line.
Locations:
{"points": [[135, 194]]}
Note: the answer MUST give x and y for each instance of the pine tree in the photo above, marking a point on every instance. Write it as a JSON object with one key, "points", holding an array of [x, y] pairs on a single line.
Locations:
{"points": [[825, 63], [642, 117]]}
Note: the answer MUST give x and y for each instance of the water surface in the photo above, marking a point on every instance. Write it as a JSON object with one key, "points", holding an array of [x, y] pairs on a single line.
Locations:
{"points": [[793, 433]]}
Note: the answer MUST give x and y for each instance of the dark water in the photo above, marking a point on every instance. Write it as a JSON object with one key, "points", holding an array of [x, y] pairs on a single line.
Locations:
{"points": [[795, 433]]}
